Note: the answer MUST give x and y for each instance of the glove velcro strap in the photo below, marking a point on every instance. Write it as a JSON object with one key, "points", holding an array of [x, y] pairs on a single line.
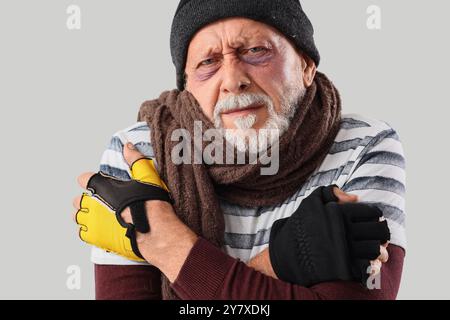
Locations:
{"points": [[131, 234], [139, 216]]}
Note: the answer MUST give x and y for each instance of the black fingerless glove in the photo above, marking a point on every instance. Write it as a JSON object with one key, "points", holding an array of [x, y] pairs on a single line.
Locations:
{"points": [[326, 241]]}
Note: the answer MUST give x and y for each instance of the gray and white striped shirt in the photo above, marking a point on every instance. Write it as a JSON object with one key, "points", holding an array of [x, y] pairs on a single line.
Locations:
{"points": [[366, 159]]}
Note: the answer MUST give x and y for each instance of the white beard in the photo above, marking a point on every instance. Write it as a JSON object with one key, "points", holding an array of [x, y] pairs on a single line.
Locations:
{"points": [[244, 138], [245, 122]]}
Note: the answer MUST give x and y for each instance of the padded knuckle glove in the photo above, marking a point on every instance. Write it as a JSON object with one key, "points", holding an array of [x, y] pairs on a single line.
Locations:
{"points": [[326, 241], [100, 218]]}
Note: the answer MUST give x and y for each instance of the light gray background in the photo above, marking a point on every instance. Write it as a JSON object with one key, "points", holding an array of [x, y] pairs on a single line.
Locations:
{"points": [[64, 93]]}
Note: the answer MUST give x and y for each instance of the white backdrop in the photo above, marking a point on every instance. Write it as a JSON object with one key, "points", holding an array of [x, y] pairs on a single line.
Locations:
{"points": [[63, 93]]}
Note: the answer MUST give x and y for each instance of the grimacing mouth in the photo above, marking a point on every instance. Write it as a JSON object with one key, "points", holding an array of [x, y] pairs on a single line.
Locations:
{"points": [[253, 106]]}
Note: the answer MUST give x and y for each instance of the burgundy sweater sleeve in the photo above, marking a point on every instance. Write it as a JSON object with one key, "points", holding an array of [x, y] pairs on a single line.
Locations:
{"points": [[127, 283], [208, 273]]}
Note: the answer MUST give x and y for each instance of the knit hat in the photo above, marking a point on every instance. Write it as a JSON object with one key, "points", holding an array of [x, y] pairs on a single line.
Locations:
{"points": [[285, 15]]}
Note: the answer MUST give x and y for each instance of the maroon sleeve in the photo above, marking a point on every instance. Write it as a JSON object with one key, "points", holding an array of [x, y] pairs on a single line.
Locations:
{"points": [[208, 273], [127, 283]]}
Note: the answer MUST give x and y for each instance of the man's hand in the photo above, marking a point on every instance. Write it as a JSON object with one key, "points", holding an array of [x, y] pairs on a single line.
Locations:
{"points": [[261, 262], [169, 241]]}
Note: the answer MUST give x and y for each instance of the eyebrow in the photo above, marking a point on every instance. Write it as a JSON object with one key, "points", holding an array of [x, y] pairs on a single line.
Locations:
{"points": [[238, 43]]}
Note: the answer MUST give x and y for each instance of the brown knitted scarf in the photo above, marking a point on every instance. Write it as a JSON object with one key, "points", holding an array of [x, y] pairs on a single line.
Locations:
{"points": [[196, 188]]}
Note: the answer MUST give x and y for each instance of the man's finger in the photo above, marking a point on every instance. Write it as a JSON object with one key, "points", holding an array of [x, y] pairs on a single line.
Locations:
{"points": [[344, 197], [131, 154], [84, 179], [77, 202], [74, 215], [384, 255], [126, 215], [375, 267], [78, 207]]}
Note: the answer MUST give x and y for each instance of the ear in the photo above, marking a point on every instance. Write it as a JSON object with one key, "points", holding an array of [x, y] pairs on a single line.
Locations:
{"points": [[309, 70]]}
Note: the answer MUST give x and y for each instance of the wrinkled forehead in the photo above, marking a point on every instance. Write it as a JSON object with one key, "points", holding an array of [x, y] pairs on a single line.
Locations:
{"points": [[234, 32]]}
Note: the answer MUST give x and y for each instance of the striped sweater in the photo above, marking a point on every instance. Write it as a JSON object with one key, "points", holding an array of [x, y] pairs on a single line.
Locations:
{"points": [[366, 159]]}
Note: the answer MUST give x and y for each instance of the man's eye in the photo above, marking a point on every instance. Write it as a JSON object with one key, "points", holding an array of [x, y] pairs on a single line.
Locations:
{"points": [[207, 62], [257, 50]]}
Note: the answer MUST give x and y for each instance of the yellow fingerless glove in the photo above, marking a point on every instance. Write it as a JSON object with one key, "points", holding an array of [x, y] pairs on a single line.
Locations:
{"points": [[99, 216], [99, 227]]}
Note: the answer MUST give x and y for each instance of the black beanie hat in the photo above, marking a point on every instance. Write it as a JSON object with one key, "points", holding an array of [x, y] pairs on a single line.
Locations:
{"points": [[285, 15]]}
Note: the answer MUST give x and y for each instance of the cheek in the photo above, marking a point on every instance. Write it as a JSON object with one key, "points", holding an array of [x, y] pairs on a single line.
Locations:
{"points": [[206, 95], [271, 79]]}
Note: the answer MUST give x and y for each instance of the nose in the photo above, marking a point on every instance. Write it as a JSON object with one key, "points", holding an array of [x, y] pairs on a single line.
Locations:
{"points": [[235, 80]]}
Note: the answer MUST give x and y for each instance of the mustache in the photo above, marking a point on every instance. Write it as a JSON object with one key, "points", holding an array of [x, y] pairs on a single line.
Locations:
{"points": [[240, 102]]}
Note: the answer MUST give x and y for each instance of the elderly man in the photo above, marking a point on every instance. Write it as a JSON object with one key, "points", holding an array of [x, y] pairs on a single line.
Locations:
{"points": [[163, 229]]}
